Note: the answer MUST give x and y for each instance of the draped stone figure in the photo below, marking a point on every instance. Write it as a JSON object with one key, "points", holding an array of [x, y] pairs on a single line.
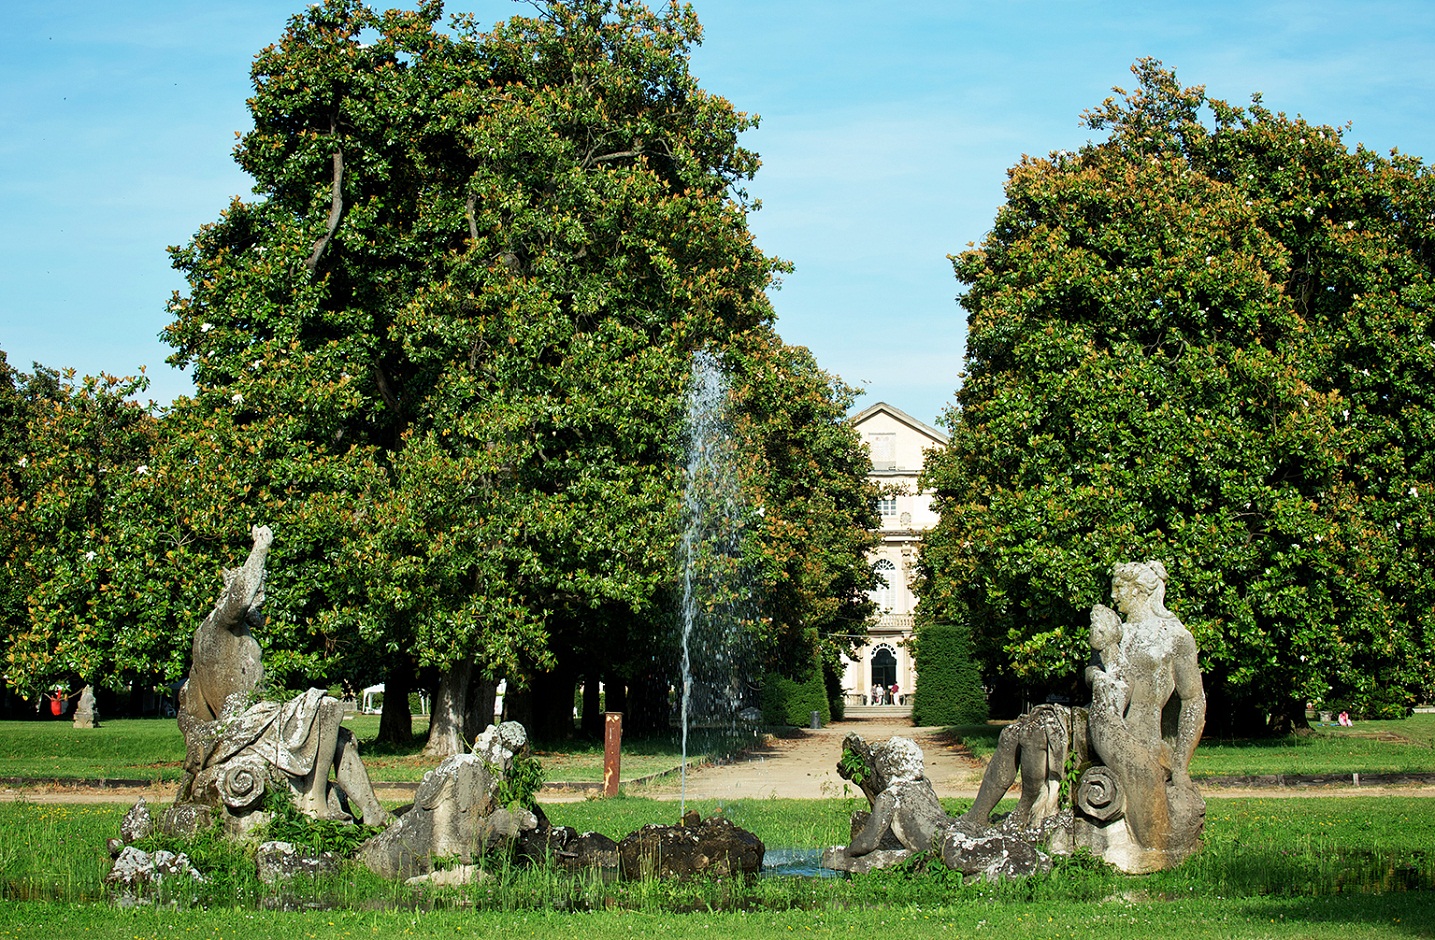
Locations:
{"points": [[237, 747]]}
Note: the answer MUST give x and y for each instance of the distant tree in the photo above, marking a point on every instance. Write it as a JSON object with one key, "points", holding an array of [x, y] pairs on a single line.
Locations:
{"points": [[90, 597], [950, 691], [447, 344], [1206, 339]]}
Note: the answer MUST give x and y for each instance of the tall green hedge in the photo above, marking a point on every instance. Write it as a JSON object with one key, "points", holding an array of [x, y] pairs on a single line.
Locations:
{"points": [[788, 701], [949, 684]]}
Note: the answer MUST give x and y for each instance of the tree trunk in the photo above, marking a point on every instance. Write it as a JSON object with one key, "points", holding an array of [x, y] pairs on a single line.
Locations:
{"points": [[615, 693], [553, 704], [396, 721], [446, 730], [648, 707], [482, 692], [592, 724]]}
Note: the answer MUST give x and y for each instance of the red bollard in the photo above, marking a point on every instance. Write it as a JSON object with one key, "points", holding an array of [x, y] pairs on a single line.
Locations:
{"points": [[612, 751]]}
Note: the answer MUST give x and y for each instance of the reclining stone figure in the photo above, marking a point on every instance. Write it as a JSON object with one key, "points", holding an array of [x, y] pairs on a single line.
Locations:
{"points": [[235, 747]]}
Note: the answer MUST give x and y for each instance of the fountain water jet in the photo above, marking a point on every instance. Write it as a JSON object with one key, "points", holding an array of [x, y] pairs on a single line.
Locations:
{"points": [[714, 591]]}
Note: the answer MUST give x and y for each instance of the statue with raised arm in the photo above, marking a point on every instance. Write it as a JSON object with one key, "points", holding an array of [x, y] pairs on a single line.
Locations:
{"points": [[236, 746], [1137, 807]]}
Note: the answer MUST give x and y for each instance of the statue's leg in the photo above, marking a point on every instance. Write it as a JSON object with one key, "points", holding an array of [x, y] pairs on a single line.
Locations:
{"points": [[877, 825], [314, 796], [354, 778], [1001, 773], [1035, 766]]}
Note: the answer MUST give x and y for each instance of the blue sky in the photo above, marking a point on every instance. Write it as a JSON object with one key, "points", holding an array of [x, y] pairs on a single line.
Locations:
{"points": [[886, 133]]}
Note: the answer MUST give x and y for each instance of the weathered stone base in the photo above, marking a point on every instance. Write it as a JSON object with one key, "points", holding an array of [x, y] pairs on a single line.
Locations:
{"points": [[1114, 843], [836, 858]]}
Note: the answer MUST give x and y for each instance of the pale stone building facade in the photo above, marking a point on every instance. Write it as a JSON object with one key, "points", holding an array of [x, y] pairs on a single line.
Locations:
{"points": [[898, 443]]}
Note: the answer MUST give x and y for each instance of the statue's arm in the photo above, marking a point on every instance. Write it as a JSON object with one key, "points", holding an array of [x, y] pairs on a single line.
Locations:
{"points": [[243, 585], [877, 825], [1193, 705]]}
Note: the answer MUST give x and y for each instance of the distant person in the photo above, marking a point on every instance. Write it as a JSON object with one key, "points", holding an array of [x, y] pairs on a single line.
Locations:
{"points": [[1345, 721], [894, 693]]}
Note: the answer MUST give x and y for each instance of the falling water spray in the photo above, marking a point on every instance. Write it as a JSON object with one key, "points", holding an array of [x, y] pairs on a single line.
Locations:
{"points": [[714, 592]]}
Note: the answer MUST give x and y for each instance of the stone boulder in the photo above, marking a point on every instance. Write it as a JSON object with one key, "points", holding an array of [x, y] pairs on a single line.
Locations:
{"points": [[712, 847], [137, 868], [455, 815], [568, 850], [138, 823], [281, 861], [185, 820], [982, 852]]}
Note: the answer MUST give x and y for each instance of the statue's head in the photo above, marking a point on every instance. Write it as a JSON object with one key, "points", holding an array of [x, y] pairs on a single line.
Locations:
{"points": [[899, 759], [1137, 586], [1105, 627]]}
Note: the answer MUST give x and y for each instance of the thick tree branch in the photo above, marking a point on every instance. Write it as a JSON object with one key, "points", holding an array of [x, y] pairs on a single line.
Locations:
{"points": [[336, 211]]}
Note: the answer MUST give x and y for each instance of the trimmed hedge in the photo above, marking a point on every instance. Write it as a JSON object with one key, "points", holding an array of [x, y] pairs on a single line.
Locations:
{"points": [[787, 701], [949, 684]]}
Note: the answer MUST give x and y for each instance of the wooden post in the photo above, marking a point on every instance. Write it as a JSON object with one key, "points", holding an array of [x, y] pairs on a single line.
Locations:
{"points": [[612, 751]]}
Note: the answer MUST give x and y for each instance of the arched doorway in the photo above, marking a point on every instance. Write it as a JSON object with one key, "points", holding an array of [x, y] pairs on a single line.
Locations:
{"points": [[884, 668]]}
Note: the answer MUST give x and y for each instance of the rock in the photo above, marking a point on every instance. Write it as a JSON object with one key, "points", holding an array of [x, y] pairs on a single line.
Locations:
{"points": [[978, 851], [136, 868], [186, 820], [137, 824], [454, 877], [566, 849], [713, 848], [281, 861], [454, 815]]}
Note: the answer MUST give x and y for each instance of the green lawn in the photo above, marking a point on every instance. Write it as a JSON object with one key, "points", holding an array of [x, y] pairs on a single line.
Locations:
{"points": [[1378, 917], [1314, 867], [1404, 746], [152, 749]]}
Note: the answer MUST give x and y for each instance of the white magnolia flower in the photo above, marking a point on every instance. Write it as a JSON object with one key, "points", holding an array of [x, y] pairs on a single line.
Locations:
{"points": [[1414, 491], [89, 556], [206, 327], [24, 461], [142, 469], [237, 398]]}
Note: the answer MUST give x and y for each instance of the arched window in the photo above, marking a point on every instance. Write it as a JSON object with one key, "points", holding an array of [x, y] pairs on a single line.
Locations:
{"points": [[885, 595]]}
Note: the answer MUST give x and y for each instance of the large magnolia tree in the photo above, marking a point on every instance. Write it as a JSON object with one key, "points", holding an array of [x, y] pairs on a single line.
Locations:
{"points": [[446, 343], [1206, 339]]}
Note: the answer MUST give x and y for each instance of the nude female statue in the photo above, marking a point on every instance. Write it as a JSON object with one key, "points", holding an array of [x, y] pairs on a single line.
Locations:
{"points": [[1152, 663]]}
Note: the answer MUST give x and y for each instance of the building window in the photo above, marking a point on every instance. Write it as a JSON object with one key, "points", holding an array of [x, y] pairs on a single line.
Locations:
{"points": [[887, 505], [884, 451], [885, 596]]}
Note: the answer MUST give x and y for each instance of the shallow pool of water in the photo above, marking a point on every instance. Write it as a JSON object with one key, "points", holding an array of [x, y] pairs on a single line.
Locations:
{"points": [[804, 862]]}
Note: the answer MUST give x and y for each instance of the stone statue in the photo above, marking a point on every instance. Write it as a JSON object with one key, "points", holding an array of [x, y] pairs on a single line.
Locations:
{"points": [[235, 746], [1037, 745], [1138, 807], [906, 816]]}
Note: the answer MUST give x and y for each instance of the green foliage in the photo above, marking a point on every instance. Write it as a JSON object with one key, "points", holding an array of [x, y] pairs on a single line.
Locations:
{"points": [[95, 567], [851, 766], [950, 688], [791, 701], [1205, 339], [521, 783], [287, 824]]}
